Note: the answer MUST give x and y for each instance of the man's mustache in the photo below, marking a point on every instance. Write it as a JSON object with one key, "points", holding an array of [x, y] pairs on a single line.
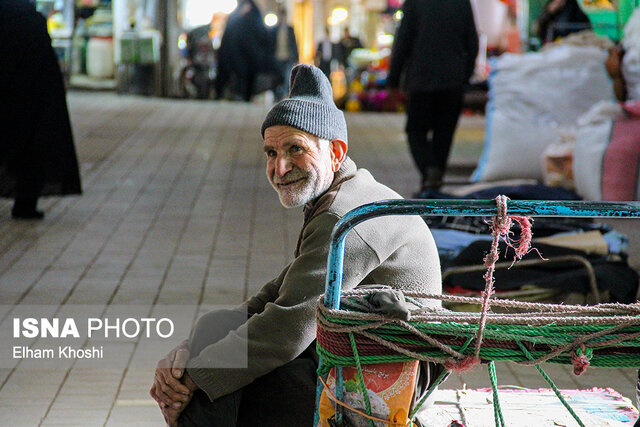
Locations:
{"points": [[293, 175]]}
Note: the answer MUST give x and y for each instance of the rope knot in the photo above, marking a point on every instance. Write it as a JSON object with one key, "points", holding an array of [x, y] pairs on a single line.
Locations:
{"points": [[580, 359], [462, 365]]}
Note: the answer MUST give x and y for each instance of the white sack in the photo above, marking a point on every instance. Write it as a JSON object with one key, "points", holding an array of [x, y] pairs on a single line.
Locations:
{"points": [[533, 97]]}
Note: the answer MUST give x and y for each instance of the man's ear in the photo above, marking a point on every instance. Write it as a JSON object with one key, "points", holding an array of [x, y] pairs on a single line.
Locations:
{"points": [[338, 153]]}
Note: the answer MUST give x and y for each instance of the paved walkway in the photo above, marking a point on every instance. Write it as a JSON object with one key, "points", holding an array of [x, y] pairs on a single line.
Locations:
{"points": [[176, 211]]}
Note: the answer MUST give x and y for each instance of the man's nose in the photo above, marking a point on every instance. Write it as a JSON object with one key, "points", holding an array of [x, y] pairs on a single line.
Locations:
{"points": [[283, 165]]}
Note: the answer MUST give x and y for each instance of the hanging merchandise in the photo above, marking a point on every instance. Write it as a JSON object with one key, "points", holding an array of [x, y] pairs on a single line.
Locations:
{"points": [[608, 17], [366, 90]]}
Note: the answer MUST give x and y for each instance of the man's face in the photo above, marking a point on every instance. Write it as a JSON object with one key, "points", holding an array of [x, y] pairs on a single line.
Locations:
{"points": [[299, 165]]}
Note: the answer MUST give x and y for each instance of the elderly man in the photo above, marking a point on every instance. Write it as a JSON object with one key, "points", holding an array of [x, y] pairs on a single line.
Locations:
{"points": [[305, 142]]}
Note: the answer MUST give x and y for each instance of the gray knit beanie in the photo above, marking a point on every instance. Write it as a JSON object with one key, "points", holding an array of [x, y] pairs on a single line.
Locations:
{"points": [[309, 107]]}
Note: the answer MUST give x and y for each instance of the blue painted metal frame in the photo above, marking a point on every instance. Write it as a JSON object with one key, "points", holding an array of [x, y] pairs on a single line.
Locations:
{"points": [[454, 208]]}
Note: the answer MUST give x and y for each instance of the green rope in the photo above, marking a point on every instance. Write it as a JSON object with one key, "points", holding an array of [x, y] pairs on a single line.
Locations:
{"points": [[497, 411], [539, 330], [553, 386], [431, 389], [602, 361], [361, 385]]}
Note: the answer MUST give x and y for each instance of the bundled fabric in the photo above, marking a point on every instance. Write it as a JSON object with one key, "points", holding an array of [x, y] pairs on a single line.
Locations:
{"points": [[607, 153], [614, 276]]}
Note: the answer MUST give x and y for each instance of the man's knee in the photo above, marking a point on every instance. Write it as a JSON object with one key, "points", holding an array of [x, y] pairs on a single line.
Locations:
{"points": [[283, 397]]}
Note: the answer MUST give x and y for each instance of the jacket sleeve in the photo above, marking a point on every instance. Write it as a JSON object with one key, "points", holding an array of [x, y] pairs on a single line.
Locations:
{"points": [[268, 293], [402, 44], [471, 43], [286, 326]]}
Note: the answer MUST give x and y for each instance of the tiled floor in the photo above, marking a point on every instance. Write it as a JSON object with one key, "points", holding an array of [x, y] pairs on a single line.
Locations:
{"points": [[176, 211]]}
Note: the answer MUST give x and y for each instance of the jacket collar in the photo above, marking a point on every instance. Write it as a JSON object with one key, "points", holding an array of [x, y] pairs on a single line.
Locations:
{"points": [[346, 171]]}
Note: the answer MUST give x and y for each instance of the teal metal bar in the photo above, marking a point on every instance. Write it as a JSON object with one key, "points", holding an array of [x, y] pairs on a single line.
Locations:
{"points": [[454, 208], [457, 208]]}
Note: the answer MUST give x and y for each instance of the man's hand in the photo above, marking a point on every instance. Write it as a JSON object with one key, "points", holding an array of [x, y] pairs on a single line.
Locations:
{"points": [[172, 413], [171, 416], [167, 389]]}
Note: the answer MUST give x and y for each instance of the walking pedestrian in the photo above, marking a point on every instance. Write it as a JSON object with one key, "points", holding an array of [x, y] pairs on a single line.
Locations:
{"points": [[347, 44], [435, 46]]}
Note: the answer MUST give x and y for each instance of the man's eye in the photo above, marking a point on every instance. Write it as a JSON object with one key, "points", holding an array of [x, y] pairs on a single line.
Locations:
{"points": [[295, 148], [271, 153]]}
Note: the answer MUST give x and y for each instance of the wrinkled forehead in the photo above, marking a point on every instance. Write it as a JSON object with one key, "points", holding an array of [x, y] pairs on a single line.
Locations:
{"points": [[279, 132]]}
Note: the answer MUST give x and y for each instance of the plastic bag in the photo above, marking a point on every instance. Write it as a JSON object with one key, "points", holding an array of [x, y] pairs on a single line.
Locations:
{"points": [[557, 162]]}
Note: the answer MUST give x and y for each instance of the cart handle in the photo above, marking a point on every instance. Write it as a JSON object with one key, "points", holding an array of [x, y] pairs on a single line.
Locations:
{"points": [[471, 207]]}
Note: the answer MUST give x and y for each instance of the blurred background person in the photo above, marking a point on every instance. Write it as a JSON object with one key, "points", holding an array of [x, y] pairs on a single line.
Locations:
{"points": [[285, 50], [244, 52], [326, 52], [200, 56], [37, 154], [347, 44], [559, 18], [435, 47]]}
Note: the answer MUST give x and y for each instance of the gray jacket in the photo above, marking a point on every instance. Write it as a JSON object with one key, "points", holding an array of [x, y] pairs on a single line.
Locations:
{"points": [[398, 251]]}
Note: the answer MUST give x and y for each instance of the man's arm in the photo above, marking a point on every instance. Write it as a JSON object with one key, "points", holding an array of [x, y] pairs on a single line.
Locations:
{"points": [[286, 327], [268, 293], [402, 44]]}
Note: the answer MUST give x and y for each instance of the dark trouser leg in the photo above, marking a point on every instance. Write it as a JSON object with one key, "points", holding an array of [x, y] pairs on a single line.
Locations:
{"points": [[283, 397], [249, 82], [447, 108], [201, 412], [282, 89], [420, 121], [419, 147], [222, 78]]}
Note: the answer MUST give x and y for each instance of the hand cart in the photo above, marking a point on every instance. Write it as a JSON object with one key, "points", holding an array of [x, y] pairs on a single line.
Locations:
{"points": [[616, 343]]}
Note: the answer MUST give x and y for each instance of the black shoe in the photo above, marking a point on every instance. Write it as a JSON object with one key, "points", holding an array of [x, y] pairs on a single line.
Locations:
{"points": [[433, 179], [27, 214]]}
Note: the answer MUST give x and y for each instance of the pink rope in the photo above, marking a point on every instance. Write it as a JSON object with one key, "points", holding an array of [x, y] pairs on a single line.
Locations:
{"points": [[500, 229], [580, 362]]}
